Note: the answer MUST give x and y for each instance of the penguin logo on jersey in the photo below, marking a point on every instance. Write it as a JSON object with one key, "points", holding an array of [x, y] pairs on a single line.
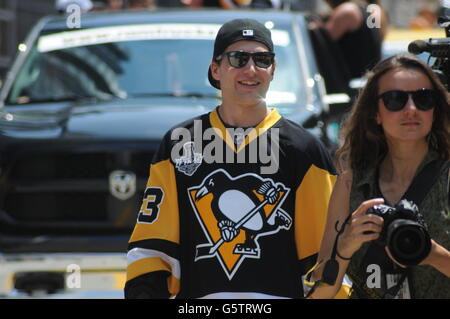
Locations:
{"points": [[234, 212]]}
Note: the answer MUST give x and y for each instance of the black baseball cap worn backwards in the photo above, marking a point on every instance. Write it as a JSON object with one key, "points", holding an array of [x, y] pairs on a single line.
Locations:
{"points": [[237, 30]]}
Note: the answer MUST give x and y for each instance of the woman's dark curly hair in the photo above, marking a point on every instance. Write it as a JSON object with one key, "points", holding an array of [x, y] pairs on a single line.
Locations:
{"points": [[363, 139]]}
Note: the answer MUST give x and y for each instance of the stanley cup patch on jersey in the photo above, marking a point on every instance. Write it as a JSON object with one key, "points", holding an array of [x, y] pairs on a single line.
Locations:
{"points": [[234, 212], [190, 161]]}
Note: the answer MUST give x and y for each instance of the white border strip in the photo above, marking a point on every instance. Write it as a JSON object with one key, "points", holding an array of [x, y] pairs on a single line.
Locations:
{"points": [[136, 254]]}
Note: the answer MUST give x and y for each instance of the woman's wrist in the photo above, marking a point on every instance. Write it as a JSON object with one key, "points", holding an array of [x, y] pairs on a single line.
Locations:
{"points": [[343, 252], [437, 256], [342, 257]]}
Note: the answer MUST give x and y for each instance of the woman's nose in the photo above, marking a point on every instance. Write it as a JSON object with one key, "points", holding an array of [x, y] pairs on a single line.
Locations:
{"points": [[410, 105]]}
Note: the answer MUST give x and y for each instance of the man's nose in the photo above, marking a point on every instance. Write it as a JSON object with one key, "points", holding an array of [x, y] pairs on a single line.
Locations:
{"points": [[250, 66]]}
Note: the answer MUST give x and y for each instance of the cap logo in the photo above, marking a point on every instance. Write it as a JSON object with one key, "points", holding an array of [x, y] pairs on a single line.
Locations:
{"points": [[247, 33]]}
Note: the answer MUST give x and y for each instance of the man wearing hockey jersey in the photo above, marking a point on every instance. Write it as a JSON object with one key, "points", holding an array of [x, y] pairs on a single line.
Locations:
{"points": [[213, 222]]}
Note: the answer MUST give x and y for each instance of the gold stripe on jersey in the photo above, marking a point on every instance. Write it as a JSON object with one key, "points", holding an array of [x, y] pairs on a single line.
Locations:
{"points": [[166, 225], [269, 121], [311, 206], [151, 264]]}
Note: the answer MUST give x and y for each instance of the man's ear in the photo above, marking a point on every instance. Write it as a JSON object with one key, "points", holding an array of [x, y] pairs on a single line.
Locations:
{"points": [[214, 67]]}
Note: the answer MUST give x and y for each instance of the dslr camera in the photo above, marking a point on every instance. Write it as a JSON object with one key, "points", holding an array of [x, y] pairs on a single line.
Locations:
{"points": [[404, 232]]}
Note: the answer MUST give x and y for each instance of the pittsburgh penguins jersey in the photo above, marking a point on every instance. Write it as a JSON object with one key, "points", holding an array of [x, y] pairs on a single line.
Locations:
{"points": [[232, 213]]}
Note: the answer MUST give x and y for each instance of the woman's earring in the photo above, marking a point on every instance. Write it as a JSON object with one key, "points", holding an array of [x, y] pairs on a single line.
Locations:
{"points": [[377, 120], [431, 139]]}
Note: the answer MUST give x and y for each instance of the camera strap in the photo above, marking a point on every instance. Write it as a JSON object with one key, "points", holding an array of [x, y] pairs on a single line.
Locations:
{"points": [[331, 268], [424, 181], [392, 292]]}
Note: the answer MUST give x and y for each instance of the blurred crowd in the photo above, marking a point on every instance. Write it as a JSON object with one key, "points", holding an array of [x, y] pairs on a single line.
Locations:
{"points": [[426, 11], [95, 5], [89, 5]]}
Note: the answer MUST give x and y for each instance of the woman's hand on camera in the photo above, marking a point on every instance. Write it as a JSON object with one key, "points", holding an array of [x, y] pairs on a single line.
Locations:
{"points": [[360, 228]]}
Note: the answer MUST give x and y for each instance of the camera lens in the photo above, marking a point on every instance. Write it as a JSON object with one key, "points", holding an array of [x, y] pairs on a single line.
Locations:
{"points": [[408, 242]]}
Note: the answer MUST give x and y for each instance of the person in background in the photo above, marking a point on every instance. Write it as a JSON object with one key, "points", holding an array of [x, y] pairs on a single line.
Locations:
{"points": [[141, 4], [193, 3], [358, 28], [114, 5], [425, 19], [396, 146], [225, 4], [232, 4]]}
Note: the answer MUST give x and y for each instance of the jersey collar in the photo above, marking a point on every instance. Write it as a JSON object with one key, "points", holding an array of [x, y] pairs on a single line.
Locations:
{"points": [[269, 121]]}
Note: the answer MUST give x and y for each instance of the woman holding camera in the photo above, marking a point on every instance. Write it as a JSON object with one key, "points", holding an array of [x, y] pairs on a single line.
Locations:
{"points": [[397, 133]]}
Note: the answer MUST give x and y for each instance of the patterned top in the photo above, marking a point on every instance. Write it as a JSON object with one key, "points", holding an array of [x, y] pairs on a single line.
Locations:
{"points": [[424, 281]]}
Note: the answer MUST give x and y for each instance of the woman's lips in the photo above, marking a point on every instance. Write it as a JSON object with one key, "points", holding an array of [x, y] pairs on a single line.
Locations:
{"points": [[410, 123]]}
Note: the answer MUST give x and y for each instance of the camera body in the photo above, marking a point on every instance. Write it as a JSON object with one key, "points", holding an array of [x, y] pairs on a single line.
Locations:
{"points": [[404, 232]]}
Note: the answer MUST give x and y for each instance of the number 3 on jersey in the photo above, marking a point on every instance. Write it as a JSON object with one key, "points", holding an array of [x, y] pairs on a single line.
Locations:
{"points": [[153, 197]]}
